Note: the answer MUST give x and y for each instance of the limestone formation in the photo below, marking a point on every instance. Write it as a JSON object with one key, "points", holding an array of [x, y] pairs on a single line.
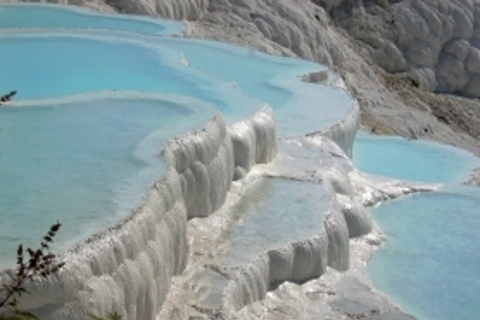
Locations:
{"points": [[380, 49]]}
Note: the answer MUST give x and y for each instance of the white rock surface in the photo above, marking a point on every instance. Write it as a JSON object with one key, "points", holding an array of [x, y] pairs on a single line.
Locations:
{"points": [[415, 34], [436, 43]]}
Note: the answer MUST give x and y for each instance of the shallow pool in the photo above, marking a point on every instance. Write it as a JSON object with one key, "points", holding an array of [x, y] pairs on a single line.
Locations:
{"points": [[57, 16], [73, 146], [71, 63], [85, 163], [271, 215], [430, 263], [413, 160], [300, 107]]}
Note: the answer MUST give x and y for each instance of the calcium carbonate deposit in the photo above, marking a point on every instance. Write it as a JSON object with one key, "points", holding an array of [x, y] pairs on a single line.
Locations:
{"points": [[225, 232]]}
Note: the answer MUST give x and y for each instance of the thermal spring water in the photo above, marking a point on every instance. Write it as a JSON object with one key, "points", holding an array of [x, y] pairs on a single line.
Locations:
{"points": [[430, 263], [85, 163]]}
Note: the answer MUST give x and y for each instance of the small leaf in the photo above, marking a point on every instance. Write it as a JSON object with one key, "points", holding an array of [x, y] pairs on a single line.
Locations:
{"points": [[32, 263], [20, 250], [55, 227]]}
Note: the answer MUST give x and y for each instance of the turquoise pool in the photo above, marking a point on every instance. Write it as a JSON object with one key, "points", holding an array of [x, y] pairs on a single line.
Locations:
{"points": [[98, 97], [46, 16], [430, 263]]}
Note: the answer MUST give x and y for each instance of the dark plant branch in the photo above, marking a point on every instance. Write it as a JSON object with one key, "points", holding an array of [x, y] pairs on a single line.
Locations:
{"points": [[32, 264], [39, 263], [7, 97]]}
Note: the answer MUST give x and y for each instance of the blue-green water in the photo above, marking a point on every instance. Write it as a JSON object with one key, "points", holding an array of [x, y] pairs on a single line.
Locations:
{"points": [[413, 160], [87, 161], [66, 64], [300, 107], [267, 220], [83, 162], [56, 16], [430, 263]]}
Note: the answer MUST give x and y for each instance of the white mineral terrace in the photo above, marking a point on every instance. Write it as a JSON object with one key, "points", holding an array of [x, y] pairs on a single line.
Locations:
{"points": [[240, 209]]}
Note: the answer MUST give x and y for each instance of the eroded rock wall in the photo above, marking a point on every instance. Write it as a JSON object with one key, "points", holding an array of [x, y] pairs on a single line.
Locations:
{"points": [[437, 43], [208, 160], [204, 160], [127, 268], [297, 262]]}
